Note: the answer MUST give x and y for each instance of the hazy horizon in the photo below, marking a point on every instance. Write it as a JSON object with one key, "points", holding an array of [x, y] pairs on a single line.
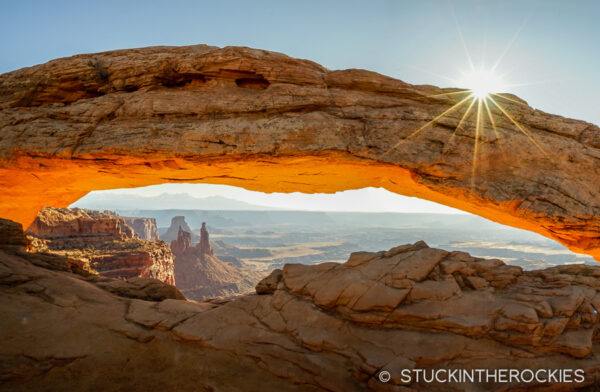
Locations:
{"points": [[359, 200]]}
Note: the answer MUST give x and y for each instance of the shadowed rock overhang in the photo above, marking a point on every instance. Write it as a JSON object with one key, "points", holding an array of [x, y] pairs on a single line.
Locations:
{"points": [[268, 122]]}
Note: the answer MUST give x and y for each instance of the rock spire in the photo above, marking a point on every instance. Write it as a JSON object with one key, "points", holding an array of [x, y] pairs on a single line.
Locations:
{"points": [[204, 244]]}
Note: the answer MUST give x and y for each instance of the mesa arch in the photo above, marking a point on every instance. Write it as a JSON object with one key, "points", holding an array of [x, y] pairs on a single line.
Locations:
{"points": [[268, 122]]}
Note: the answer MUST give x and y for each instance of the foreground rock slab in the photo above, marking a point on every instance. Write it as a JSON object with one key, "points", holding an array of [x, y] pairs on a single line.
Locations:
{"points": [[327, 327], [269, 122]]}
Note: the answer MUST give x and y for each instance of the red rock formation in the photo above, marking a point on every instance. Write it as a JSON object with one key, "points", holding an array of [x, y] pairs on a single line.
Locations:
{"points": [[415, 287], [145, 228], [200, 275], [204, 244], [104, 242], [182, 243], [12, 236], [268, 122], [78, 228], [326, 327], [153, 262], [14, 242]]}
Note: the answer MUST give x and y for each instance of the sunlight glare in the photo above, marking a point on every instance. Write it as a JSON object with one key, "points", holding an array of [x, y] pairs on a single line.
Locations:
{"points": [[482, 83]]}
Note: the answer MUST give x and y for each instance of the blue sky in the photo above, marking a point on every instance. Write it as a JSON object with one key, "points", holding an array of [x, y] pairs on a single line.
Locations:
{"points": [[552, 63], [557, 48]]}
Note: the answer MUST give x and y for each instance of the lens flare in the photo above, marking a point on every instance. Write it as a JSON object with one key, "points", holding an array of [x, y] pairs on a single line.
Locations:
{"points": [[482, 83], [482, 93], [484, 107]]}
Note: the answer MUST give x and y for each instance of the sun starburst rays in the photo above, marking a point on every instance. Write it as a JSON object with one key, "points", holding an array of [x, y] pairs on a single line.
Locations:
{"points": [[429, 123], [484, 86], [483, 102], [491, 118], [503, 96], [519, 126], [462, 119], [476, 145]]}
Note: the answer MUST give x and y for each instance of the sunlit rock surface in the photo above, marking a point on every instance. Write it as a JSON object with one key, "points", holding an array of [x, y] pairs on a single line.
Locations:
{"points": [[327, 327], [269, 122], [103, 242], [71, 227], [201, 275]]}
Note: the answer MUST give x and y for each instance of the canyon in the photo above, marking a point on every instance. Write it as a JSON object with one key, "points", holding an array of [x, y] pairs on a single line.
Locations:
{"points": [[103, 242], [325, 327], [110, 245], [202, 275], [145, 228], [265, 121]]}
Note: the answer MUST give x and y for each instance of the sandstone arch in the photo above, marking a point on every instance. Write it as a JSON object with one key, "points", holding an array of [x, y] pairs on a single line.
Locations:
{"points": [[268, 122]]}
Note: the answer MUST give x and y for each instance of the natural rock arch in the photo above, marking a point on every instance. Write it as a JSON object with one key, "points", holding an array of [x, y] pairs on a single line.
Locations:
{"points": [[268, 122]]}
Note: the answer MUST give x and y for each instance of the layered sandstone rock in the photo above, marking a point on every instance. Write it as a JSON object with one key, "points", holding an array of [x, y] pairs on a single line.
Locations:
{"points": [[327, 327], [140, 259], [182, 243], [200, 274], [414, 287], [12, 236], [145, 228], [265, 121], [204, 244], [103, 241], [75, 227], [33, 265]]}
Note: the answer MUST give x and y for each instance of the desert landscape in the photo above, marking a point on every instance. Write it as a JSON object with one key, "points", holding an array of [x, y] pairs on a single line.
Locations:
{"points": [[327, 326], [108, 284]]}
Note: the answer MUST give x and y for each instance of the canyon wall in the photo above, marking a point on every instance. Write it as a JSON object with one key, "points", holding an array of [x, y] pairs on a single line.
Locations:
{"points": [[182, 243], [76, 227], [201, 275], [265, 121], [325, 327], [145, 228], [103, 241]]}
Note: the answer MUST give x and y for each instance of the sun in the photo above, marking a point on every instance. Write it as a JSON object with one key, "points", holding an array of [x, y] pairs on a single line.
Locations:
{"points": [[482, 83], [484, 103], [482, 97]]}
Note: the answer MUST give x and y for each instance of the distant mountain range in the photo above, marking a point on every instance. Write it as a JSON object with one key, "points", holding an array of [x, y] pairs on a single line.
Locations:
{"points": [[117, 201], [332, 221]]}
